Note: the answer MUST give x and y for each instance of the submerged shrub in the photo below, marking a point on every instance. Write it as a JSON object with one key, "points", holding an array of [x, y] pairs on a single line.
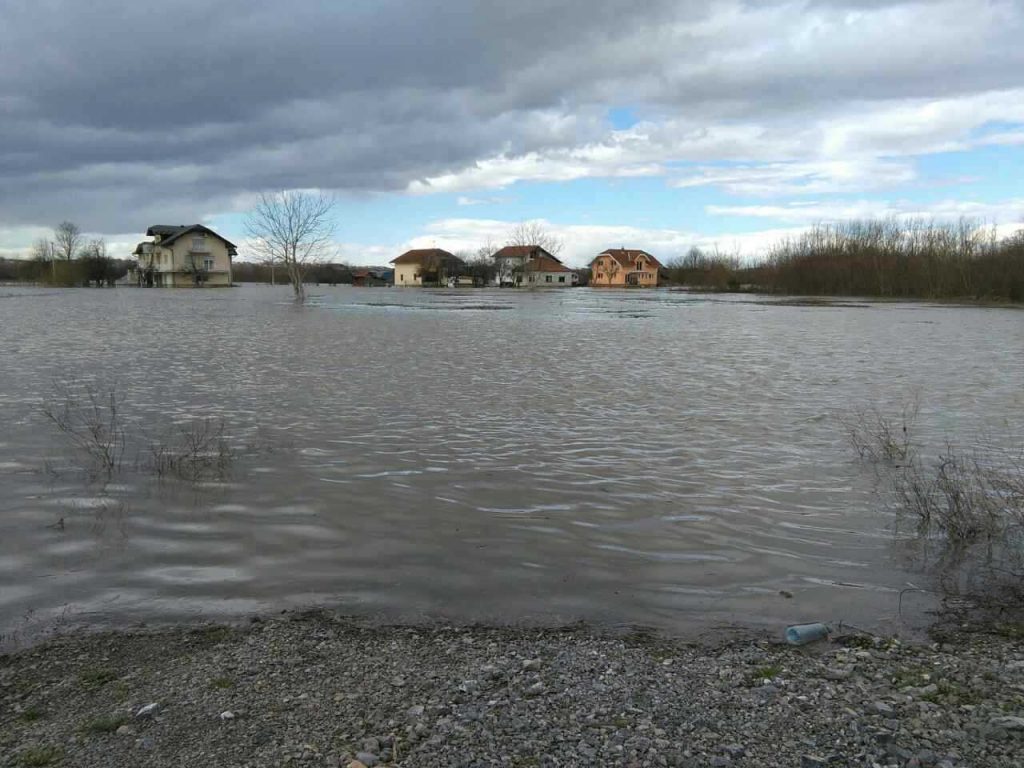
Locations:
{"points": [[93, 421], [92, 418], [961, 513], [197, 450]]}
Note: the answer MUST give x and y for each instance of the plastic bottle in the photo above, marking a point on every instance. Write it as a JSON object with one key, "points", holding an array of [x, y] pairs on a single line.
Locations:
{"points": [[801, 634]]}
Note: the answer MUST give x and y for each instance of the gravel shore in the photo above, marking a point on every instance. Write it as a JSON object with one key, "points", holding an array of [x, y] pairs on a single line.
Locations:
{"points": [[322, 690]]}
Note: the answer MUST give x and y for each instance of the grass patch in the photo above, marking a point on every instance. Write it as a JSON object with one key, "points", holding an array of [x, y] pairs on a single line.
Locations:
{"points": [[912, 677], [38, 756], [953, 694], [212, 635], [768, 672], [862, 642], [222, 682], [104, 724], [96, 677], [1013, 630], [31, 714]]}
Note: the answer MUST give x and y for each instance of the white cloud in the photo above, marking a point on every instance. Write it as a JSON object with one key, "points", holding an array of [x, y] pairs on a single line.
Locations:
{"points": [[852, 147], [1004, 212], [463, 200], [599, 160]]}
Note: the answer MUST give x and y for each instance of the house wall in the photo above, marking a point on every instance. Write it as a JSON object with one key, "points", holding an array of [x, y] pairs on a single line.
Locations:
{"points": [[407, 275], [215, 247], [507, 270], [606, 271], [539, 279], [174, 263]]}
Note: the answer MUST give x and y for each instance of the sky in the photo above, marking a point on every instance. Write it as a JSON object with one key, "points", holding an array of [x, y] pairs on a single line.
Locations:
{"points": [[660, 124]]}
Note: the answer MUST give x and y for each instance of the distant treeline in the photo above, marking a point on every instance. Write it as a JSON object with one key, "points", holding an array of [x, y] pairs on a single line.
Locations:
{"points": [[87, 269], [329, 274], [883, 258]]}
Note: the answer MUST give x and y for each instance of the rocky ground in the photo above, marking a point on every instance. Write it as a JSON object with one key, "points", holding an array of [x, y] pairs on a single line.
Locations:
{"points": [[319, 690]]}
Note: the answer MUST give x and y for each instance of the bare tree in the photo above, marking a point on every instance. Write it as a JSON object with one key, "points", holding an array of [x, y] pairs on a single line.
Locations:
{"points": [[67, 240], [294, 229], [535, 233], [97, 265], [44, 251]]}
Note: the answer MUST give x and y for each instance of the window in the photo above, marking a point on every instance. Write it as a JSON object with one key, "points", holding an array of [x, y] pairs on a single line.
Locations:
{"points": [[208, 263], [561, 278], [199, 243], [547, 278]]}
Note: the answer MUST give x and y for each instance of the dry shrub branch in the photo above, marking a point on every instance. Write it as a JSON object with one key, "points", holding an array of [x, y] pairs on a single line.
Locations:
{"points": [[197, 450], [93, 420]]}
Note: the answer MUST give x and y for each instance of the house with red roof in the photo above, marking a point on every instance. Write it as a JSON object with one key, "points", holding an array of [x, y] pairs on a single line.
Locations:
{"points": [[531, 266], [624, 267]]}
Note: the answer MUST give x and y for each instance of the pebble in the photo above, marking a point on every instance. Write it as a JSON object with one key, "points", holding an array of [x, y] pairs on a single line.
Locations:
{"points": [[148, 711], [603, 701], [125, 730], [1009, 723], [227, 715]]}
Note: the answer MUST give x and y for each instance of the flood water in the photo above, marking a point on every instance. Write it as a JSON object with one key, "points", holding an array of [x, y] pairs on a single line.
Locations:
{"points": [[653, 458]]}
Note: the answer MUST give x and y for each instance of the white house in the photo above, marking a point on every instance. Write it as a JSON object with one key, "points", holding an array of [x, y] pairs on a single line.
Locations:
{"points": [[186, 256], [531, 266]]}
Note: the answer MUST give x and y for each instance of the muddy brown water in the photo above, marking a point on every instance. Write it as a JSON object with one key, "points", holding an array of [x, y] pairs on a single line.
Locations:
{"points": [[656, 458]]}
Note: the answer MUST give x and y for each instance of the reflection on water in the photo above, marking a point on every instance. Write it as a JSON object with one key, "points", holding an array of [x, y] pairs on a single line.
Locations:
{"points": [[656, 457]]}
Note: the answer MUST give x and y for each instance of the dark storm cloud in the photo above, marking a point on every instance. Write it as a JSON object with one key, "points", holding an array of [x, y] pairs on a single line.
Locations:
{"points": [[114, 111]]}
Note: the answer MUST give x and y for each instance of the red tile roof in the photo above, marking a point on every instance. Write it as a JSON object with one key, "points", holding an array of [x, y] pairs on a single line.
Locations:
{"points": [[627, 256]]}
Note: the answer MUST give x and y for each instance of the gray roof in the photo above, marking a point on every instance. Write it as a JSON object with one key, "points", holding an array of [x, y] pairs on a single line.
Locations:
{"points": [[169, 233]]}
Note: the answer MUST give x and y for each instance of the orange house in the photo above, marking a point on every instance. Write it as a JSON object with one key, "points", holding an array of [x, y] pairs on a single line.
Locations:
{"points": [[624, 267]]}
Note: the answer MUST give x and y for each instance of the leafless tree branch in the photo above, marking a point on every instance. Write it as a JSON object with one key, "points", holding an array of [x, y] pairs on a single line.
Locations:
{"points": [[294, 229]]}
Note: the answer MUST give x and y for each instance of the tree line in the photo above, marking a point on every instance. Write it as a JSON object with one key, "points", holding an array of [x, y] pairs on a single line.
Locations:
{"points": [[885, 258], [66, 258]]}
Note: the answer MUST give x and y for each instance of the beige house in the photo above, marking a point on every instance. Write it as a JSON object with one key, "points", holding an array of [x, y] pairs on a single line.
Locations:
{"points": [[624, 267], [426, 266], [187, 256]]}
